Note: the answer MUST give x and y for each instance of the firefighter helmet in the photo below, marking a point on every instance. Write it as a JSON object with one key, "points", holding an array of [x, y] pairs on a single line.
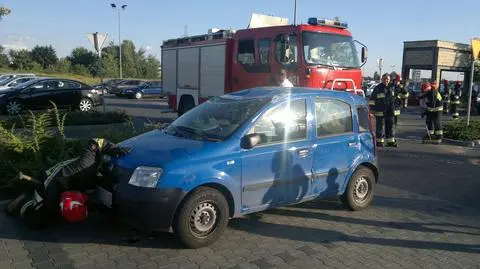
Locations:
{"points": [[73, 206]]}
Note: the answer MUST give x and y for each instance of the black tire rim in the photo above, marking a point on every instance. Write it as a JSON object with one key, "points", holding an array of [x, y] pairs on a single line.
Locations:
{"points": [[13, 107], [361, 190], [203, 219]]}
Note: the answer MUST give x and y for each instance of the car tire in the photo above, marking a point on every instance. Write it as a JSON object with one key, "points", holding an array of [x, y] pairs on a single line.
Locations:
{"points": [[13, 107], [138, 95], [202, 218], [85, 105], [13, 206], [360, 190]]}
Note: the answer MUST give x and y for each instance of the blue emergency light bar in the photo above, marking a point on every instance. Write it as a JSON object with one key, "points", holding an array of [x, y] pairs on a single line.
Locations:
{"points": [[333, 23]]}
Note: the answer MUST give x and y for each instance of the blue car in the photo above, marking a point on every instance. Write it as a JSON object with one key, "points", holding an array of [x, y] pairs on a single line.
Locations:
{"points": [[246, 152], [146, 89]]}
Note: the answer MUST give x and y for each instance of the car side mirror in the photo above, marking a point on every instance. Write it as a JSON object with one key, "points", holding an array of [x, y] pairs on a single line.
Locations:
{"points": [[364, 54], [251, 140]]}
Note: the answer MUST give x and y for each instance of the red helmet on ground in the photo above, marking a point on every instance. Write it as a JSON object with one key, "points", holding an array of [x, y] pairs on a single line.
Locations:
{"points": [[73, 206], [426, 87]]}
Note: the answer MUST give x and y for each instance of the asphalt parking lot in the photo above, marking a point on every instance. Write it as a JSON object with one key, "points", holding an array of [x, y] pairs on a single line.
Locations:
{"points": [[426, 214]]}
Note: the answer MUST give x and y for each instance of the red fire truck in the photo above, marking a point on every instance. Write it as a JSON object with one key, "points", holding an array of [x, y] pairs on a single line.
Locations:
{"points": [[319, 54]]}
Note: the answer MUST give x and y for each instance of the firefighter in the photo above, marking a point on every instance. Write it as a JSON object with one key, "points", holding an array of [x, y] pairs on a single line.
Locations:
{"points": [[426, 87], [404, 94], [383, 104], [434, 107], [447, 92], [456, 94]]}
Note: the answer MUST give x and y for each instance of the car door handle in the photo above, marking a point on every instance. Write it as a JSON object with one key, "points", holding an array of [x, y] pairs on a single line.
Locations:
{"points": [[352, 144], [303, 152]]}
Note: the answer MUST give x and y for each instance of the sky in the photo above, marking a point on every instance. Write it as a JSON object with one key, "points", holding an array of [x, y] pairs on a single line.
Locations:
{"points": [[382, 26]]}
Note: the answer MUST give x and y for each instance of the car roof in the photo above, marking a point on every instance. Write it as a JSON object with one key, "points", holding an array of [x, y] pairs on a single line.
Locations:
{"points": [[280, 94]]}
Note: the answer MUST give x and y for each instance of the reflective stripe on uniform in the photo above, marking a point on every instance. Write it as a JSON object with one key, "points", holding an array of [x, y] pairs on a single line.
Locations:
{"points": [[439, 132], [378, 113], [430, 132], [380, 95], [100, 142], [439, 96], [390, 140], [434, 109], [457, 102], [396, 112], [371, 102], [381, 140]]}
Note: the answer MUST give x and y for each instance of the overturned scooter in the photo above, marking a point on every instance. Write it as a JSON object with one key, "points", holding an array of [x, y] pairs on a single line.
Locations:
{"points": [[64, 188]]}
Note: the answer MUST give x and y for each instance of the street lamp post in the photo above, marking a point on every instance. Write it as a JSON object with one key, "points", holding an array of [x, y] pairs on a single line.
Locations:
{"points": [[119, 37]]}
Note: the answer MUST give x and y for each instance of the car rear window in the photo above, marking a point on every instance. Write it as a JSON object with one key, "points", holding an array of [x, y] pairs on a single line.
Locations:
{"points": [[363, 119]]}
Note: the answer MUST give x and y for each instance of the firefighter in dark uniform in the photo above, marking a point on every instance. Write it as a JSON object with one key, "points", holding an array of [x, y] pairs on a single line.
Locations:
{"points": [[397, 86], [434, 107], [447, 92], [456, 94], [384, 104]]}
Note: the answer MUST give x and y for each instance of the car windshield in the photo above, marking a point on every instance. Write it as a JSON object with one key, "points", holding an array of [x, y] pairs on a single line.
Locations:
{"points": [[329, 49], [216, 119]]}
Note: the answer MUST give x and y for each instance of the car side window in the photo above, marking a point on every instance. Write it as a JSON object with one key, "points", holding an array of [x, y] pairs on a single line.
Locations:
{"points": [[332, 117], [286, 122], [246, 52], [45, 86], [68, 85], [363, 119]]}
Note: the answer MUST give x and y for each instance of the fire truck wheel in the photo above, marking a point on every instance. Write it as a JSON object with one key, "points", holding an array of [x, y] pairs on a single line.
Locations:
{"points": [[360, 189], [186, 103]]}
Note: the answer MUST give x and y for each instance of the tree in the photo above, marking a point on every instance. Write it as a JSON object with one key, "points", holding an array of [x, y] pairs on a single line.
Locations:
{"points": [[44, 55], [3, 57], [21, 60], [4, 11], [376, 76], [110, 65], [63, 66], [82, 57]]}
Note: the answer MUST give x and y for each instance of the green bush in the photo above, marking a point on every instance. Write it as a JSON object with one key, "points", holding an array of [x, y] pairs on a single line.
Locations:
{"points": [[458, 130], [36, 147]]}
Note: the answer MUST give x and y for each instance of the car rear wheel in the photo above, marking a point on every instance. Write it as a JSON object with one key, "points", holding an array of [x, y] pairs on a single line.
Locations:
{"points": [[202, 218], [14, 107], [85, 105], [360, 189], [138, 95]]}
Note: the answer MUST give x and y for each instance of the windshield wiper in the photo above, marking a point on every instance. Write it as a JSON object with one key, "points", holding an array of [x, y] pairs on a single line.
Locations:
{"points": [[195, 132]]}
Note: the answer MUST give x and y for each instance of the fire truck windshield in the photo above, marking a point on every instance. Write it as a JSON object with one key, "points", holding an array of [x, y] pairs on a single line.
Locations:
{"points": [[329, 50]]}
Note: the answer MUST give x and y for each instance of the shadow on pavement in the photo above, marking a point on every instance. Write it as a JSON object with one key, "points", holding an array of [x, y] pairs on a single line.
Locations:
{"points": [[316, 235]]}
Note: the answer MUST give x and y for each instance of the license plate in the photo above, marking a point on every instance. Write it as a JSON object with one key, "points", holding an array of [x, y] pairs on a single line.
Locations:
{"points": [[104, 196]]}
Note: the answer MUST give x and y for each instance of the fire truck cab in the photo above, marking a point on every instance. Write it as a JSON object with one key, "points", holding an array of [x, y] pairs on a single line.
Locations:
{"points": [[319, 54]]}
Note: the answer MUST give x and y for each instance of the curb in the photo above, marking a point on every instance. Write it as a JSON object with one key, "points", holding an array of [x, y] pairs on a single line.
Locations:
{"points": [[472, 144]]}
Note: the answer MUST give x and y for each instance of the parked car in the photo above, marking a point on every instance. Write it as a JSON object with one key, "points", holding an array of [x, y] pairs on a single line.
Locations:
{"points": [[118, 88], [369, 90], [37, 94], [14, 82], [241, 153], [107, 85], [4, 77], [147, 89]]}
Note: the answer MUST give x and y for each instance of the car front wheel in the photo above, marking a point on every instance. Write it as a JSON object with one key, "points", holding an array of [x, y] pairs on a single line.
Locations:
{"points": [[85, 105], [360, 189], [202, 218], [13, 107], [138, 95]]}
